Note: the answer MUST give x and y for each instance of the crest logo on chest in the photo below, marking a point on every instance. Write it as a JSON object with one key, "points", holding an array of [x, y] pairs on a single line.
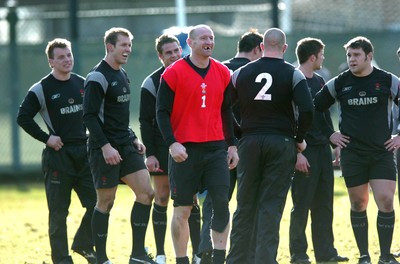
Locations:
{"points": [[203, 88]]}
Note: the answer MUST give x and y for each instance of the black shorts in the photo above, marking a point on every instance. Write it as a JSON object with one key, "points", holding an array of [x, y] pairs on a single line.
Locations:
{"points": [[108, 176], [203, 168], [359, 167], [161, 154]]}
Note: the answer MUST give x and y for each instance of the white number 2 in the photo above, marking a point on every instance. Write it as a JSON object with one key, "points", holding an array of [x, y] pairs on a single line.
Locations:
{"points": [[262, 94]]}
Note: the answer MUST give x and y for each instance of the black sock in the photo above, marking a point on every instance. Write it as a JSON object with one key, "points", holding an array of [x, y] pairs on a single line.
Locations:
{"points": [[159, 226], [194, 227], [385, 226], [100, 230], [139, 220], [218, 256], [359, 223], [183, 260]]}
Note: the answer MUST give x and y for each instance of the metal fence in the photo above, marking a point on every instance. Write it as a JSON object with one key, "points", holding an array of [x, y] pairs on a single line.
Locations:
{"points": [[24, 63]]}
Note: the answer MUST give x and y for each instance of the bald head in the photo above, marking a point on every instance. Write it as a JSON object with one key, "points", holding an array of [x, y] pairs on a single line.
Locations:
{"points": [[194, 31], [274, 39], [274, 43]]}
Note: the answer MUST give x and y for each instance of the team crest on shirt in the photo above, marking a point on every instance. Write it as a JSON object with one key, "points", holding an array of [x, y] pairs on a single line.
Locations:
{"points": [[71, 100], [377, 86], [81, 91], [203, 88]]}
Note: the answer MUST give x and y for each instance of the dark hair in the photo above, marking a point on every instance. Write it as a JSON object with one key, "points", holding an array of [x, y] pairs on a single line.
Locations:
{"points": [[56, 43], [249, 40], [307, 47], [164, 39], [111, 35], [360, 42]]}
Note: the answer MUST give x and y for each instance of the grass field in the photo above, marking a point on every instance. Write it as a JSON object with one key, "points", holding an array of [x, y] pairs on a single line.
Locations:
{"points": [[23, 227]]}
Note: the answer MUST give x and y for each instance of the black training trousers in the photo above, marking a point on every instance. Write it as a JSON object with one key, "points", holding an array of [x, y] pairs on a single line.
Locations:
{"points": [[313, 193], [66, 170], [265, 170]]}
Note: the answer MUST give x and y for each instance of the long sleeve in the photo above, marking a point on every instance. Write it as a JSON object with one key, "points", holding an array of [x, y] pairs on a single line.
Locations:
{"points": [[323, 99], [92, 101], [328, 129], [303, 100], [25, 118], [165, 100], [234, 99], [227, 118], [147, 115]]}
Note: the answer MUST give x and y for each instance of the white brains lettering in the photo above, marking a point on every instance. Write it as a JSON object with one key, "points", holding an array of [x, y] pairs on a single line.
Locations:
{"points": [[363, 101], [71, 109], [123, 98]]}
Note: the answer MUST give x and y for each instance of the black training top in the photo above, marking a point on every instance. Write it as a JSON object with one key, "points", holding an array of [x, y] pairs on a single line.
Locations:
{"points": [[106, 106], [365, 107], [60, 105], [151, 135], [234, 64], [322, 126], [273, 98]]}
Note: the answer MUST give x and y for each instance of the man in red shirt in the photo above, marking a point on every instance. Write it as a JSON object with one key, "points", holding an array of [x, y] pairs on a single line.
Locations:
{"points": [[195, 118]]}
